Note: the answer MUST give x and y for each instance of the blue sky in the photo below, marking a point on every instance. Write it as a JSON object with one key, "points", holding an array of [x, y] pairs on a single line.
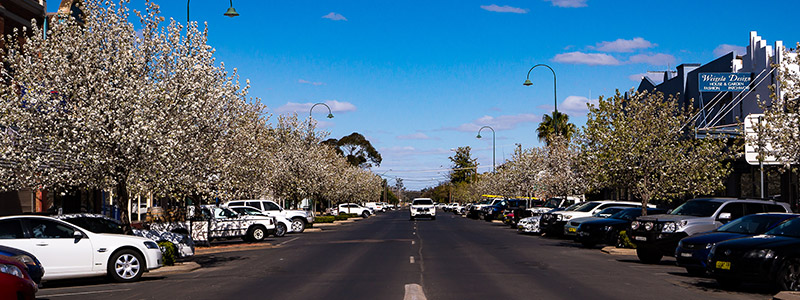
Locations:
{"points": [[418, 78]]}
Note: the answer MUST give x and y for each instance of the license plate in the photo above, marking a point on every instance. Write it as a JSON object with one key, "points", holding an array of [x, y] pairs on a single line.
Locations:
{"points": [[640, 238], [571, 229], [725, 265], [686, 254]]}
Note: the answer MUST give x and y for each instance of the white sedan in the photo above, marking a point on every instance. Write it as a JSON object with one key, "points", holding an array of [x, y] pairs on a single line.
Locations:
{"points": [[68, 251]]}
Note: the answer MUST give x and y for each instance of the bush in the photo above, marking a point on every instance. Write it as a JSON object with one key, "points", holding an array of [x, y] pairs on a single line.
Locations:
{"points": [[324, 219], [169, 252], [345, 216], [624, 241]]}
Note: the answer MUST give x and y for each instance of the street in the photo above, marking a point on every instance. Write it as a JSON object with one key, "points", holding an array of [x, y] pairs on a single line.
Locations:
{"points": [[385, 255]]}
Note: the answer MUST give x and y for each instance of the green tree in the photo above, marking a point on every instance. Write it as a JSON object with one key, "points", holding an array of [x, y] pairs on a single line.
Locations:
{"points": [[640, 144], [565, 128], [357, 150], [464, 167]]}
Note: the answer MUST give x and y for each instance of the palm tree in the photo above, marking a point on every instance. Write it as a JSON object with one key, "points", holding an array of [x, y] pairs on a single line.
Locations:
{"points": [[565, 128]]}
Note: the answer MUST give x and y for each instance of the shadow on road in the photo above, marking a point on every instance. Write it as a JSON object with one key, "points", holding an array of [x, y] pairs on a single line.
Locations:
{"points": [[211, 260], [670, 263], [100, 280]]}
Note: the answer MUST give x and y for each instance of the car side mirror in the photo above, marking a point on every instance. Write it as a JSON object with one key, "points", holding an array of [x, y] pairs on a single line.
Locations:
{"points": [[725, 216], [669, 211], [77, 235]]}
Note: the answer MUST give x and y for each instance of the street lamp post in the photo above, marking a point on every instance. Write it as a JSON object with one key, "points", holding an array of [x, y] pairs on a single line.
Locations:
{"points": [[555, 96], [493, 148], [330, 113], [231, 12]]}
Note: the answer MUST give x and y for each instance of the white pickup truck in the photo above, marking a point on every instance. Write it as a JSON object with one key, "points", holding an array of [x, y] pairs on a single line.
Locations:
{"points": [[209, 222]]}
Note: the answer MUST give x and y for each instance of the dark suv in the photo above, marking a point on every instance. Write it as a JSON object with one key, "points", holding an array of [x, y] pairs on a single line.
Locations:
{"points": [[658, 235], [498, 210]]}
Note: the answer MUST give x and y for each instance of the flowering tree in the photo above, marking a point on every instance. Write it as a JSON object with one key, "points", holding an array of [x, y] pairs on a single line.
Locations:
{"points": [[639, 143], [780, 127]]}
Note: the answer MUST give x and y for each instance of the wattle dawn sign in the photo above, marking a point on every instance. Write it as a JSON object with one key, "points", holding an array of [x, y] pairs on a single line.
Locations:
{"points": [[724, 82]]}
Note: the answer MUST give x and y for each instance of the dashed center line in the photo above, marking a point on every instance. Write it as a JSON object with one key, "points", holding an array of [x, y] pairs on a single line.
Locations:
{"points": [[414, 292], [413, 242], [411, 259]]}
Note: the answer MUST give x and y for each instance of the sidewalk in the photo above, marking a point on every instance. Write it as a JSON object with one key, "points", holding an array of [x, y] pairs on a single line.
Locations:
{"points": [[618, 251], [180, 267]]}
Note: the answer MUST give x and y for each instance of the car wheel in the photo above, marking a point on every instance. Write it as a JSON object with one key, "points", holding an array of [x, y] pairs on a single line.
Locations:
{"points": [[789, 276], [280, 229], [255, 234], [365, 215], [125, 266], [696, 271], [298, 225], [648, 255]]}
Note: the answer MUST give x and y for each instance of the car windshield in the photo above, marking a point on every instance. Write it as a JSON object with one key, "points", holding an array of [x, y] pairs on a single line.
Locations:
{"points": [[422, 202], [789, 228], [96, 225], [697, 208], [588, 206], [606, 212], [627, 214], [752, 224], [574, 206], [552, 202]]}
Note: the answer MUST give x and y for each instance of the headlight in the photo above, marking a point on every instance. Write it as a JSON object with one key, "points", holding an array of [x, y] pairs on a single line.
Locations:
{"points": [[648, 226], [151, 245], [635, 225], [669, 227], [11, 270], [710, 245], [24, 259], [567, 217], [608, 228], [763, 253]]}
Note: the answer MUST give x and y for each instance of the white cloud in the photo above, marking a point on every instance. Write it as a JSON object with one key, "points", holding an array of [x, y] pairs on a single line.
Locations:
{"points": [[658, 59], [303, 81], [504, 9], [504, 122], [586, 58], [335, 17], [576, 105], [415, 136], [725, 49], [335, 106], [568, 3], [623, 45]]}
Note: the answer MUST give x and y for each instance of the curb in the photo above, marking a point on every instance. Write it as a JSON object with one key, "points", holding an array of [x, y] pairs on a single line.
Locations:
{"points": [[323, 225], [181, 267], [315, 229], [232, 248], [618, 251], [497, 221], [786, 295]]}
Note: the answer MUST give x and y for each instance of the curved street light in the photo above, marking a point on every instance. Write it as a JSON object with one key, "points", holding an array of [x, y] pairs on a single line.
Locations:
{"points": [[231, 12], [330, 113], [555, 96], [493, 148]]}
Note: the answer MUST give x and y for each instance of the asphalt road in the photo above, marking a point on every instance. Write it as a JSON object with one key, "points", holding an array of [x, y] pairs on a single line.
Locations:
{"points": [[384, 256]]}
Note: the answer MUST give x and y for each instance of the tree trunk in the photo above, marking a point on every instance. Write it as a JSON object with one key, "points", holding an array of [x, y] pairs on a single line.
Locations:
{"points": [[122, 203]]}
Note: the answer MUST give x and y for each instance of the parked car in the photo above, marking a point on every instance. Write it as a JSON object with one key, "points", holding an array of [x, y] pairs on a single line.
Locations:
{"points": [[353, 208], [208, 222], [553, 203], [773, 257], [532, 224], [28, 260], [607, 231], [15, 282], [422, 207], [300, 218], [68, 251], [101, 224], [375, 206], [571, 227], [553, 222], [498, 209], [486, 209], [282, 225], [658, 235], [692, 251], [474, 209]]}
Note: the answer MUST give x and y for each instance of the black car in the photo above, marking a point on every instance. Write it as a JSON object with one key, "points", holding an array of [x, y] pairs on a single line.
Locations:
{"points": [[498, 210], [607, 231], [773, 257], [34, 267]]}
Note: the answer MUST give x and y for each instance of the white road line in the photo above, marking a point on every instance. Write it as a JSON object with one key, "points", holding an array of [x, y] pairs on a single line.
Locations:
{"points": [[281, 243], [414, 292], [85, 293], [413, 242], [411, 259]]}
